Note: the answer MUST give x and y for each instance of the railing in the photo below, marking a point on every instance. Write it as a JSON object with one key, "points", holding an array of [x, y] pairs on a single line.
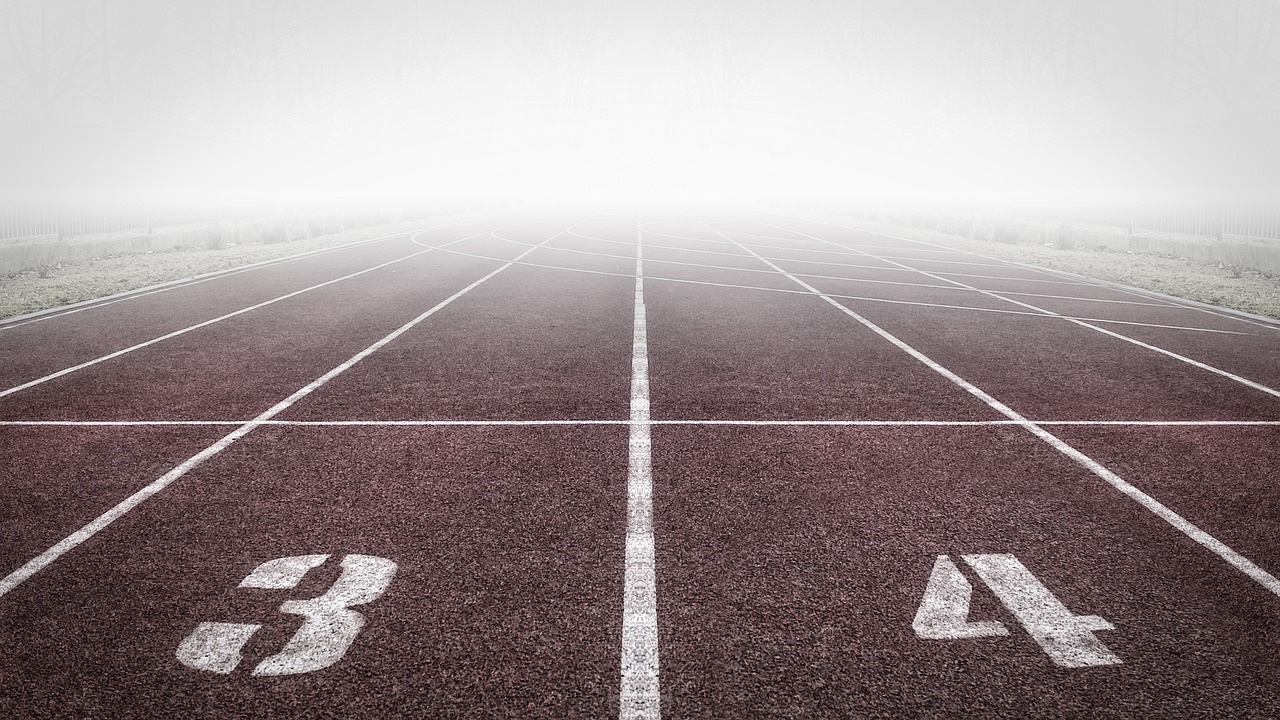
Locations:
{"points": [[47, 222], [1248, 221], [34, 222]]}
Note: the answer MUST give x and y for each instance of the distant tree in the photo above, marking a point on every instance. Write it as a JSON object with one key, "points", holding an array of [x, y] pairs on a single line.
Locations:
{"points": [[1231, 55], [51, 52], [723, 44], [556, 43]]}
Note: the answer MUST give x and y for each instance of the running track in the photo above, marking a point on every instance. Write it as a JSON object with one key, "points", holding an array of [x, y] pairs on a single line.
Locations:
{"points": [[640, 463]]}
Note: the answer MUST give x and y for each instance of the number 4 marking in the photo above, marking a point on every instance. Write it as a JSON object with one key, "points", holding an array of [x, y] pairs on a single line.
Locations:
{"points": [[1067, 639], [329, 629]]}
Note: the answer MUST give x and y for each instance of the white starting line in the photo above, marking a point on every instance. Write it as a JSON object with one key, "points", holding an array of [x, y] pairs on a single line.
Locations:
{"points": [[707, 421]]}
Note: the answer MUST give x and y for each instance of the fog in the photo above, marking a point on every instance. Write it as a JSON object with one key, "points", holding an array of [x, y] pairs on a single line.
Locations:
{"points": [[314, 101]]}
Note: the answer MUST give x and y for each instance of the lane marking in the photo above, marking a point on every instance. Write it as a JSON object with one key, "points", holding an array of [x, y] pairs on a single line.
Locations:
{"points": [[945, 306], [517, 423], [220, 318], [328, 629], [639, 695], [999, 262], [330, 625], [944, 610], [1230, 556], [215, 646], [949, 286], [44, 559], [94, 303], [1185, 303], [1067, 639], [1166, 300], [1082, 323], [863, 253]]}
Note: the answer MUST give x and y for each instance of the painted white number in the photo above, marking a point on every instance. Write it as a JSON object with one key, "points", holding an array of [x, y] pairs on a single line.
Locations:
{"points": [[324, 637], [1067, 639]]}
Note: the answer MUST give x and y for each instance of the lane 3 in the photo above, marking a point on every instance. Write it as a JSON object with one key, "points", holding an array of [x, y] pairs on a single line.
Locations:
{"points": [[505, 599]]}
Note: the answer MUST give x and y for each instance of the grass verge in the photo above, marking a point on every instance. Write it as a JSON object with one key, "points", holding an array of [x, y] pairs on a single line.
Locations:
{"points": [[62, 284]]}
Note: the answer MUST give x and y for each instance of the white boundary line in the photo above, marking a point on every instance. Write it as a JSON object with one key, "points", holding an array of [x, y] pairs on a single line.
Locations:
{"points": [[1000, 262], [1233, 558], [1076, 321], [847, 297], [1171, 300], [639, 696], [44, 559], [1075, 280], [234, 313], [696, 421], [94, 303]]}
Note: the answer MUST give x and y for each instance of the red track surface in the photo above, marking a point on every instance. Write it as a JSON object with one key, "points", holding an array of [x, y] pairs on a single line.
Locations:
{"points": [[790, 559]]}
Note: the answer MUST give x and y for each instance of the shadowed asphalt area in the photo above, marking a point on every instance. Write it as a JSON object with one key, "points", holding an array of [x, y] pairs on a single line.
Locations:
{"points": [[792, 561]]}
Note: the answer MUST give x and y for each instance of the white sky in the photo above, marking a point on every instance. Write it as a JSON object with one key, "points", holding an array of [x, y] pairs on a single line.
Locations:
{"points": [[919, 99]]}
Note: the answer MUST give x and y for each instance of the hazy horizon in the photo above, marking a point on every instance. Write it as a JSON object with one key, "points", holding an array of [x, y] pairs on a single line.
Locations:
{"points": [[975, 101]]}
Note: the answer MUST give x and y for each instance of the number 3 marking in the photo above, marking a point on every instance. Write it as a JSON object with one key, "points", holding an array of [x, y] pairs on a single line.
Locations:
{"points": [[324, 637]]}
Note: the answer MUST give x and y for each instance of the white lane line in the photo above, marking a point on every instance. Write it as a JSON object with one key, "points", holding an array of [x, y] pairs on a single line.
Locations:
{"points": [[938, 273], [1235, 559], [710, 241], [44, 559], [639, 697], [1169, 300], [742, 269], [1083, 282], [206, 323], [949, 286], [1088, 324], [945, 306], [92, 304], [518, 423], [856, 247], [832, 263]]}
